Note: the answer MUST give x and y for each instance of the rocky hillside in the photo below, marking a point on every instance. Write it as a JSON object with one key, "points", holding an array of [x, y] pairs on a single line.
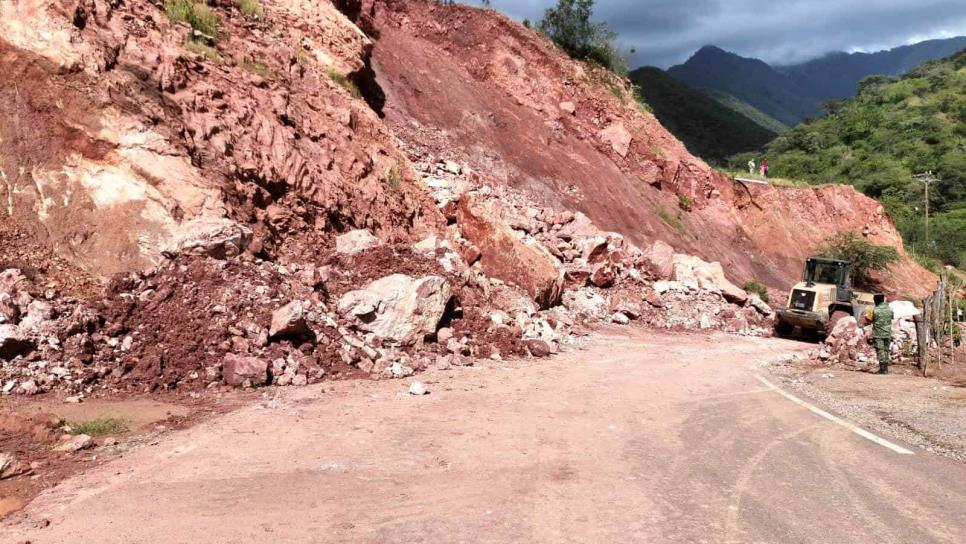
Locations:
{"points": [[471, 85], [313, 190], [880, 138]]}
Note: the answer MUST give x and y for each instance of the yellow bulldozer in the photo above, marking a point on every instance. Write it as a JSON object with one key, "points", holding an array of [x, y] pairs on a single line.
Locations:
{"points": [[823, 297]]}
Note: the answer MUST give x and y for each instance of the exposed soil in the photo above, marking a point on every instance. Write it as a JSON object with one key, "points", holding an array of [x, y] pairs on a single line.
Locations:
{"points": [[473, 86], [31, 429]]}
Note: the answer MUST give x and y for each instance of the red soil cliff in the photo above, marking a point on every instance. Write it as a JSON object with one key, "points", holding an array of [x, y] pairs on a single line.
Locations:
{"points": [[470, 84]]}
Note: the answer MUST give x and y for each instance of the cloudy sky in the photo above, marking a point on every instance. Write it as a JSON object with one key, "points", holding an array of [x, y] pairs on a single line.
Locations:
{"points": [[666, 32]]}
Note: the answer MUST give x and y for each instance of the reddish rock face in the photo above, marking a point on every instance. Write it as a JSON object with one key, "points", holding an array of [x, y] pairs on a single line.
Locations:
{"points": [[606, 159], [505, 256], [239, 369], [660, 257]]}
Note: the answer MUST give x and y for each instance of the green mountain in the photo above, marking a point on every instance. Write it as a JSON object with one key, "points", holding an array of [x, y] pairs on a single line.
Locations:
{"points": [[749, 80], [893, 128], [708, 128], [793, 93], [748, 111]]}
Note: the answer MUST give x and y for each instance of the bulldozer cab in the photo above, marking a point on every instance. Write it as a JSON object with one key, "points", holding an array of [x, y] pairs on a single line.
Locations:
{"points": [[828, 271]]}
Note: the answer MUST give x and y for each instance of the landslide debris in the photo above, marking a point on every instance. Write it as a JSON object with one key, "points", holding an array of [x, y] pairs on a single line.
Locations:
{"points": [[476, 88], [261, 225]]}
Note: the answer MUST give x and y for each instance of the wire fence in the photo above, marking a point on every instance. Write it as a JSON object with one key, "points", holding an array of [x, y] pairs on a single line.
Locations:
{"points": [[940, 326]]}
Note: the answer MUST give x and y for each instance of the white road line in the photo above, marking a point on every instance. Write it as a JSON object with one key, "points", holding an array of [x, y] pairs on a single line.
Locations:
{"points": [[855, 429]]}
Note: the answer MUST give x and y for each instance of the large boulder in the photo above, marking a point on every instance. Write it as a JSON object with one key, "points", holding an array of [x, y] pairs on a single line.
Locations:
{"points": [[903, 309], [356, 241], [398, 308], [618, 137], [239, 370], [13, 342], [691, 270], [289, 320], [216, 237], [660, 257], [507, 257], [586, 303]]}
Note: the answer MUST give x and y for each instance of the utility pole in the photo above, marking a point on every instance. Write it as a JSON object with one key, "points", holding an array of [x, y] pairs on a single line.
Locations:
{"points": [[926, 178]]}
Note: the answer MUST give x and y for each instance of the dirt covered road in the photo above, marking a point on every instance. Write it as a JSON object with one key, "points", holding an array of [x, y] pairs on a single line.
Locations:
{"points": [[643, 437]]}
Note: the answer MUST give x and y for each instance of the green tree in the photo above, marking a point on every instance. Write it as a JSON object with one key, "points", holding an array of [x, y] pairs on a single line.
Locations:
{"points": [[568, 24], [865, 256]]}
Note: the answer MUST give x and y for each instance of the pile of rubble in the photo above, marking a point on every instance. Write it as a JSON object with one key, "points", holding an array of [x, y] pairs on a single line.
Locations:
{"points": [[600, 276], [208, 317], [504, 278], [851, 344]]}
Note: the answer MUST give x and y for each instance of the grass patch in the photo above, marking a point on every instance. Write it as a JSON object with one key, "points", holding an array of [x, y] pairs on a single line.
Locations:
{"points": [[196, 13], [251, 8], [394, 178], [640, 100], [685, 202], [200, 48], [98, 427], [256, 68], [757, 288], [929, 263], [671, 220], [343, 81]]}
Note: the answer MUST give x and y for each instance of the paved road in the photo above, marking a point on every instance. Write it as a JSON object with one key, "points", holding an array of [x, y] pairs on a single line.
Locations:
{"points": [[651, 438]]}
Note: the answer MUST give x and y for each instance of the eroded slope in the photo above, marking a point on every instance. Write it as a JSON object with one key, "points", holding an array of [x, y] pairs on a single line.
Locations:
{"points": [[472, 85]]}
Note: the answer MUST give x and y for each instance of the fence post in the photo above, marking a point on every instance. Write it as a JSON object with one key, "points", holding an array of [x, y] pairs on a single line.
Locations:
{"points": [[922, 340]]}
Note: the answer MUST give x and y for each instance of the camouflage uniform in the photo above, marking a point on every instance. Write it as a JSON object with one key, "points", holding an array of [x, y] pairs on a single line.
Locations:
{"points": [[882, 334]]}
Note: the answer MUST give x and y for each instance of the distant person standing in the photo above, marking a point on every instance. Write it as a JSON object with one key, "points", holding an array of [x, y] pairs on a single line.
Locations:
{"points": [[751, 167], [764, 168], [881, 317]]}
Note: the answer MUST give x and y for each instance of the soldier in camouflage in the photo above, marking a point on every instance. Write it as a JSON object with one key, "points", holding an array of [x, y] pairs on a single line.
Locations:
{"points": [[881, 318]]}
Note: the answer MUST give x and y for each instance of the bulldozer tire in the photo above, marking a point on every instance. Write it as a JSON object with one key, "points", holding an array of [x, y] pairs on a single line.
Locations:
{"points": [[783, 329], [833, 320]]}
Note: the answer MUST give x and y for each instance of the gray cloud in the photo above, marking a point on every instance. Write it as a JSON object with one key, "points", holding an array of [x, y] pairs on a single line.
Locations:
{"points": [[667, 32]]}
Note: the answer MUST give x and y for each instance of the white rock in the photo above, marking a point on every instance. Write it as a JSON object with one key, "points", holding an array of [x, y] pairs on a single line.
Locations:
{"points": [[216, 237], [29, 388], [406, 309], [399, 370], [620, 318], [76, 443], [288, 320], [453, 168], [705, 322], [760, 305], [693, 271], [499, 317], [6, 460], [417, 388], [903, 309], [356, 241], [586, 302]]}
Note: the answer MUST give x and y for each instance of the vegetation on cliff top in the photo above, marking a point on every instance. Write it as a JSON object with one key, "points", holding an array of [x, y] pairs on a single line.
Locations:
{"points": [[568, 24]]}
